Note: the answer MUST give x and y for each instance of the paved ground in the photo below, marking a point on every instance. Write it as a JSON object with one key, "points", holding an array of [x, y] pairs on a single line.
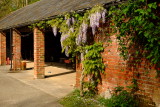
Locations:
{"points": [[22, 90]]}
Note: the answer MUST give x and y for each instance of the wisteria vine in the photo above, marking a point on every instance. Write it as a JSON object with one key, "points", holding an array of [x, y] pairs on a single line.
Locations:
{"points": [[74, 27], [95, 19]]}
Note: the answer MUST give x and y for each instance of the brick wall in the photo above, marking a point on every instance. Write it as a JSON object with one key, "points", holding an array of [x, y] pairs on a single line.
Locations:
{"points": [[2, 48], [39, 54], [121, 73], [16, 50], [78, 71]]}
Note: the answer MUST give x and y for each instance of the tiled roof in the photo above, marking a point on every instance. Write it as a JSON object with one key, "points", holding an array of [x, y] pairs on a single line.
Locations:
{"points": [[45, 9]]}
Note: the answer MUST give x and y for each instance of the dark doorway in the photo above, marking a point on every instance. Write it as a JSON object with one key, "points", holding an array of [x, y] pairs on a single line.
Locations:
{"points": [[8, 45], [53, 50], [27, 46]]}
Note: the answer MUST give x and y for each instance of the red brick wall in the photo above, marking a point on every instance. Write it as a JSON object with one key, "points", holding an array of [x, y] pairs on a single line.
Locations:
{"points": [[16, 50], [116, 74], [38, 54], [78, 71], [2, 48], [120, 73]]}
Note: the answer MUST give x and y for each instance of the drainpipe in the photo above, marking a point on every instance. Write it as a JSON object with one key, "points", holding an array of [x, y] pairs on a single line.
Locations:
{"points": [[11, 46]]}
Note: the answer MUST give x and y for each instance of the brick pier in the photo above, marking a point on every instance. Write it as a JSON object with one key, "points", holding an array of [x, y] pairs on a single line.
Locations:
{"points": [[2, 48], [16, 50], [39, 50]]}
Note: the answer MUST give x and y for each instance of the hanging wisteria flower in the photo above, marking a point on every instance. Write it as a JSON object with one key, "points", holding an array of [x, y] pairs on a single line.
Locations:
{"points": [[82, 56], [93, 30], [73, 20], [54, 29], [68, 21], [86, 51], [95, 19], [104, 15], [84, 32], [98, 17], [93, 22], [71, 29], [66, 51], [82, 37], [79, 39], [63, 37]]}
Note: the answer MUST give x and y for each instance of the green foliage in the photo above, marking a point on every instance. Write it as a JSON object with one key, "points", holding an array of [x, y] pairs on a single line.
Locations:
{"points": [[96, 8], [5, 7], [120, 98], [72, 100], [56, 22], [60, 23], [93, 67], [93, 64], [8, 6], [75, 100], [41, 25], [138, 24], [90, 89], [134, 86]]}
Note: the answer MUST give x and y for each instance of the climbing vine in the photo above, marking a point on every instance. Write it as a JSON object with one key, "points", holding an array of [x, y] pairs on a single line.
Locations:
{"points": [[74, 29], [138, 25], [136, 21], [93, 67], [41, 25]]}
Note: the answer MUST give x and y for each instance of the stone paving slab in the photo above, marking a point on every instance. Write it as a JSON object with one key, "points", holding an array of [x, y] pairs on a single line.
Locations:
{"points": [[14, 93], [59, 82]]}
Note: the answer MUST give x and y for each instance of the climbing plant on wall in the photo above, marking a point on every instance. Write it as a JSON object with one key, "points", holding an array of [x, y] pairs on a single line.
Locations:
{"points": [[93, 67], [74, 27], [136, 21], [138, 24]]}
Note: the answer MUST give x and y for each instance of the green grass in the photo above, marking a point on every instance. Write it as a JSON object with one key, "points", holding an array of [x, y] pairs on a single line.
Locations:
{"points": [[75, 100], [123, 99]]}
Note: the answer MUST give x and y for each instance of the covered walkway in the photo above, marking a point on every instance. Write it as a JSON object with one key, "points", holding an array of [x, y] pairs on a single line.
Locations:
{"points": [[59, 81], [14, 26]]}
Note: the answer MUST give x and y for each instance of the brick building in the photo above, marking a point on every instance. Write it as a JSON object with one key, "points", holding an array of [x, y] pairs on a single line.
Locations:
{"points": [[14, 27]]}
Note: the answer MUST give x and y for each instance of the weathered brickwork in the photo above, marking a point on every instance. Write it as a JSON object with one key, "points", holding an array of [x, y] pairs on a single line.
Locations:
{"points": [[2, 48], [39, 50], [16, 44], [121, 73]]}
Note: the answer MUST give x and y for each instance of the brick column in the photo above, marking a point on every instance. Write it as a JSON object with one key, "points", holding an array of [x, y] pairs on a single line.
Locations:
{"points": [[2, 48], [16, 58], [39, 49]]}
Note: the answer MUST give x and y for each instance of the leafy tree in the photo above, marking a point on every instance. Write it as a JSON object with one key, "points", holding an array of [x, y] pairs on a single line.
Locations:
{"points": [[8, 6]]}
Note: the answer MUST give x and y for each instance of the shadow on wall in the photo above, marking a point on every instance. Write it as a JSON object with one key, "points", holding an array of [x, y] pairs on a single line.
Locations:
{"points": [[146, 75]]}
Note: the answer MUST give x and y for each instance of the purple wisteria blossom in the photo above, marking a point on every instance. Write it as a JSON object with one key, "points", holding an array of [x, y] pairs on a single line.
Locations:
{"points": [[73, 20], [71, 29], [66, 51], [68, 21], [63, 37], [54, 29], [104, 15], [95, 19], [82, 37]]}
